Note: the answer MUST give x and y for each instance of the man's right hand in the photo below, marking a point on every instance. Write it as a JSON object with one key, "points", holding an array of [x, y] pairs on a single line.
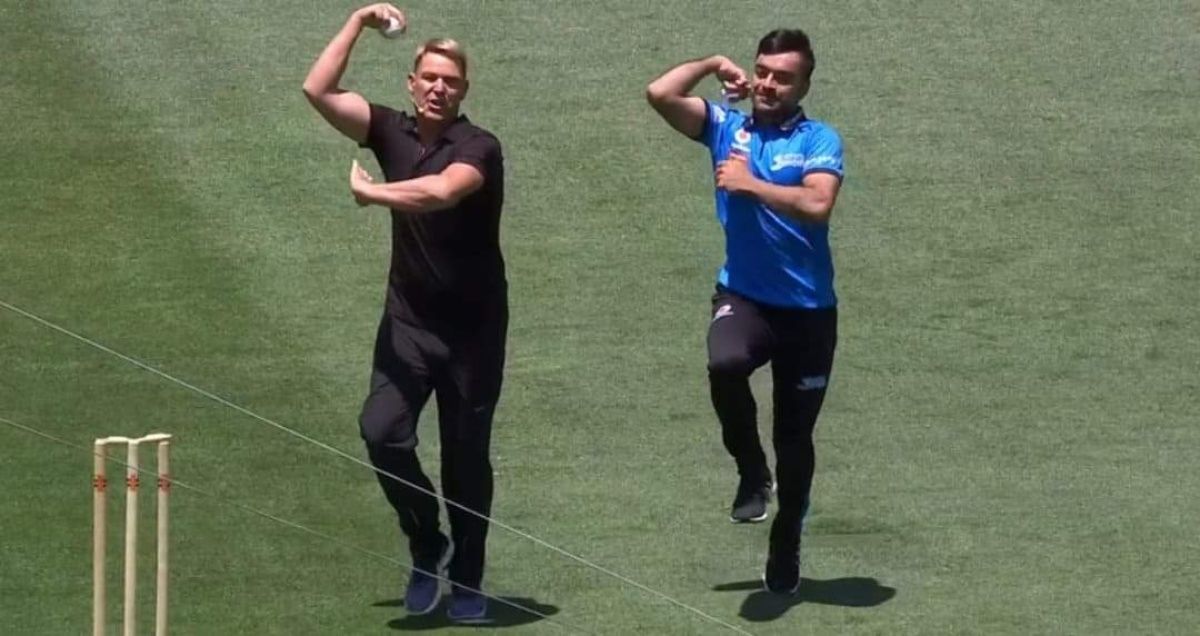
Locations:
{"points": [[734, 82], [671, 94], [375, 16], [345, 110]]}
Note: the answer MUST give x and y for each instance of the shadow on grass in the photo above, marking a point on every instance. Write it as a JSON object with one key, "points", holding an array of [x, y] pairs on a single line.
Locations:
{"points": [[500, 614], [854, 591]]}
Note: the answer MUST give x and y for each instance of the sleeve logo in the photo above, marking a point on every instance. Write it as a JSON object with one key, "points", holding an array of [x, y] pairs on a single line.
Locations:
{"points": [[821, 161]]}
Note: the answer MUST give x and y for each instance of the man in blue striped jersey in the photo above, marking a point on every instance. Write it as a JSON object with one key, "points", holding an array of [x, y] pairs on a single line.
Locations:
{"points": [[777, 175]]}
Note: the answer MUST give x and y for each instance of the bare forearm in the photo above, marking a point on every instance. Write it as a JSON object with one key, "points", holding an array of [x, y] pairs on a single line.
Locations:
{"points": [[808, 204], [326, 73], [680, 81], [423, 194]]}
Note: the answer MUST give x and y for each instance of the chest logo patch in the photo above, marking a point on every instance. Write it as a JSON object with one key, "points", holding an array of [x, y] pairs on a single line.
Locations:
{"points": [[741, 141]]}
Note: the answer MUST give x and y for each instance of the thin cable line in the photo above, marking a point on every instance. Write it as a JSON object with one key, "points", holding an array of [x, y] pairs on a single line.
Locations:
{"points": [[345, 455], [292, 524]]}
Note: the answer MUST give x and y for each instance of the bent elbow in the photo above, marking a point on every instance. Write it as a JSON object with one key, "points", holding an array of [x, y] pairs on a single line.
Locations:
{"points": [[813, 210], [448, 200], [821, 210], [315, 91], [654, 95]]}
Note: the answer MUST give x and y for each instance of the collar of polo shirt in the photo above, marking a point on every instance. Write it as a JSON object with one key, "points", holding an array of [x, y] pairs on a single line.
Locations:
{"points": [[453, 132], [787, 125]]}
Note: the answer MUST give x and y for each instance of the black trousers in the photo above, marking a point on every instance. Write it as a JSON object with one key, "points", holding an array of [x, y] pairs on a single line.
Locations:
{"points": [[464, 368], [799, 343]]}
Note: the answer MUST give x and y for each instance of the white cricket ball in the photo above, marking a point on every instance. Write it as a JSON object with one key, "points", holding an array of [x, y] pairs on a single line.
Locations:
{"points": [[392, 28]]}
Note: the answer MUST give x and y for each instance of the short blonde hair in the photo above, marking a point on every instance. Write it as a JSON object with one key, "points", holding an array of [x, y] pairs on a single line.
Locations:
{"points": [[444, 47]]}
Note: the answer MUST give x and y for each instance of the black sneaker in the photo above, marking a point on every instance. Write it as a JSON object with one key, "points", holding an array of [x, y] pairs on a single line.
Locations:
{"points": [[750, 503], [782, 574]]}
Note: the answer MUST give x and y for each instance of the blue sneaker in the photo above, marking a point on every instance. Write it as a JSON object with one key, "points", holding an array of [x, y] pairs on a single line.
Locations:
{"points": [[467, 607], [424, 589]]}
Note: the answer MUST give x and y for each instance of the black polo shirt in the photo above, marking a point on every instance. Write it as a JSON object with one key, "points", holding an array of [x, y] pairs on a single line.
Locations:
{"points": [[446, 264]]}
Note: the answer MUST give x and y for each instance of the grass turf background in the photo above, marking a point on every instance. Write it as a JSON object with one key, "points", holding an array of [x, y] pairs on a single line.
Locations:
{"points": [[1010, 439]]}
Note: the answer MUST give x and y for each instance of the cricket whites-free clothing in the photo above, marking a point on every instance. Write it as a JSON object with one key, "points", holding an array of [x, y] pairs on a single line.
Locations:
{"points": [[771, 257], [442, 333]]}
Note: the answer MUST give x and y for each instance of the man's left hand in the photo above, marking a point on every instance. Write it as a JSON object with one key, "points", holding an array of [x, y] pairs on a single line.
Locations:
{"points": [[733, 175], [360, 183]]}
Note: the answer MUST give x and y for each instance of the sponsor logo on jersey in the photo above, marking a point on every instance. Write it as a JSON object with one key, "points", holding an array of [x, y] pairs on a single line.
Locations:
{"points": [[787, 160]]}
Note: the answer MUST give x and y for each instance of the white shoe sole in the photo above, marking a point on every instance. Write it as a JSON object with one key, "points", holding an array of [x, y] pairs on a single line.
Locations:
{"points": [[758, 519], [765, 514]]}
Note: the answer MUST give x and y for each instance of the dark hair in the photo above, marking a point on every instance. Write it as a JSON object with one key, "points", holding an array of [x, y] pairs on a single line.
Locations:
{"points": [[787, 41]]}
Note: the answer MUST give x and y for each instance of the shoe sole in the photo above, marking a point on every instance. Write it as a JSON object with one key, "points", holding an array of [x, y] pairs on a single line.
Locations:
{"points": [[763, 516], [442, 564], [758, 519], [470, 620]]}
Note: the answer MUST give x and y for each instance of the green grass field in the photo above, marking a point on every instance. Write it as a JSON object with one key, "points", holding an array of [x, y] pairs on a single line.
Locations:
{"points": [[1011, 439]]}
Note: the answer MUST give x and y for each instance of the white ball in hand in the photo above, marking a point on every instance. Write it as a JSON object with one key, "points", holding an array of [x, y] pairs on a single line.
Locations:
{"points": [[392, 28]]}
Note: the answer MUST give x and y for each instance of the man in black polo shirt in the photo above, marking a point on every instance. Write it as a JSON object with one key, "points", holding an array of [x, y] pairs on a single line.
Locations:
{"points": [[444, 325]]}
